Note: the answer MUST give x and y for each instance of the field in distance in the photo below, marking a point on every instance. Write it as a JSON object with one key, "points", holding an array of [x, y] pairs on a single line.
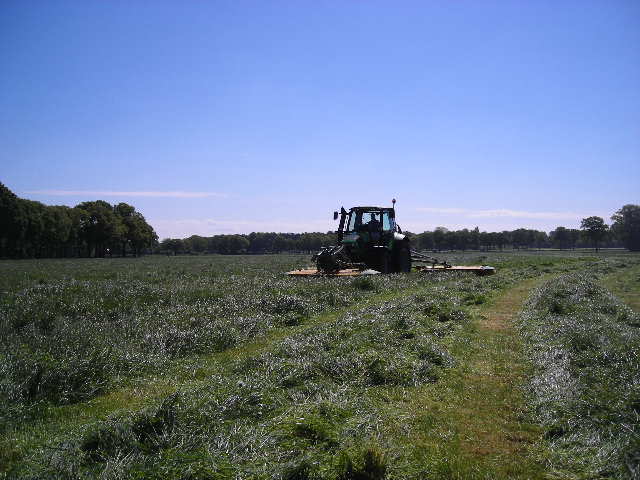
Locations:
{"points": [[215, 367]]}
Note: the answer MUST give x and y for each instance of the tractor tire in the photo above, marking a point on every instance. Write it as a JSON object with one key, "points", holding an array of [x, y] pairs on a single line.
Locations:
{"points": [[403, 260], [385, 264]]}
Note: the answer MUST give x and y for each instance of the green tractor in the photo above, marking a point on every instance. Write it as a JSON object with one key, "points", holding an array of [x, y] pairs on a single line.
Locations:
{"points": [[370, 242], [368, 238]]}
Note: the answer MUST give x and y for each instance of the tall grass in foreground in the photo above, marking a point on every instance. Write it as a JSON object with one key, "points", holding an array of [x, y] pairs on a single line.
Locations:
{"points": [[75, 330], [308, 407], [586, 391], [69, 329], [65, 340]]}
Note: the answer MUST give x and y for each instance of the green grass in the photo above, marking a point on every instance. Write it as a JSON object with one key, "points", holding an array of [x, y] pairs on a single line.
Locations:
{"points": [[625, 284], [221, 367]]}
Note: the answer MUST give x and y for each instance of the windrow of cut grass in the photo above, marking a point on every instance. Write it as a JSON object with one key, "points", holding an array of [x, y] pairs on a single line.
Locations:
{"points": [[585, 345], [311, 404]]}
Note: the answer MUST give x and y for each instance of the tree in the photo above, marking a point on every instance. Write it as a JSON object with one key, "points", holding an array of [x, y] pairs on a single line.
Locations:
{"points": [[126, 213], [174, 245], [560, 238], [462, 239], [11, 230], [57, 228], [238, 244], [137, 233], [595, 229], [474, 238], [75, 244], [196, 243], [523, 238], [33, 236], [101, 227], [502, 239], [281, 243], [574, 236], [439, 237], [485, 240], [450, 239], [32, 229], [626, 226], [425, 241]]}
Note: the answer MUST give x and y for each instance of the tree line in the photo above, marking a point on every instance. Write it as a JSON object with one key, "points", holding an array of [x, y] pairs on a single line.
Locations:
{"points": [[256, 242], [523, 238], [594, 233], [94, 229], [30, 229]]}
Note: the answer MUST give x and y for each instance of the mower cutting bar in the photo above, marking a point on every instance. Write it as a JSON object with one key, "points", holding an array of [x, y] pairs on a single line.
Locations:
{"points": [[314, 272], [421, 256], [437, 266], [477, 269], [354, 272]]}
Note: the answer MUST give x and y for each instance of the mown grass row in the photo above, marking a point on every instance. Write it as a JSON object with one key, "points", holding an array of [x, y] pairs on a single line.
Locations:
{"points": [[585, 345]]}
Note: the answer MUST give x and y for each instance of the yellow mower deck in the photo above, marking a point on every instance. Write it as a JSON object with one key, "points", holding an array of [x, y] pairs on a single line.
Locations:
{"points": [[477, 269], [313, 272], [354, 272]]}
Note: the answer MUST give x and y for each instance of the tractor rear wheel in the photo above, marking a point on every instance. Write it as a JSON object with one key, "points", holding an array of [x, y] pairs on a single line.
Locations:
{"points": [[385, 265], [403, 260]]}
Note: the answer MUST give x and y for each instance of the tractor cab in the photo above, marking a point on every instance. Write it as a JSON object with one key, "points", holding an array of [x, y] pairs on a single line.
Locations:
{"points": [[371, 219], [367, 225]]}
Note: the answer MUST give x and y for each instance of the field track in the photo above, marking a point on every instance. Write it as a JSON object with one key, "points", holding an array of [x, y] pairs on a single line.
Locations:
{"points": [[497, 370], [472, 418]]}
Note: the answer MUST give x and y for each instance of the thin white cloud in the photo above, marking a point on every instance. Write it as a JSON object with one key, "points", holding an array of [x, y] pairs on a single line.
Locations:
{"points": [[452, 211], [116, 193], [503, 213], [181, 228]]}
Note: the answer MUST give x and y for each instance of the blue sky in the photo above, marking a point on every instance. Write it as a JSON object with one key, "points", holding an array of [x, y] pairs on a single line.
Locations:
{"points": [[229, 117]]}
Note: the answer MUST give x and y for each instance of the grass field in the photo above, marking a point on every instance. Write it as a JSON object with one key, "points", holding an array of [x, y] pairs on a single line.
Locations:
{"points": [[220, 367]]}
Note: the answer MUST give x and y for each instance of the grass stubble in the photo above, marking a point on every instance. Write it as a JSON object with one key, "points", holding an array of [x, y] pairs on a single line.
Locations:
{"points": [[625, 284]]}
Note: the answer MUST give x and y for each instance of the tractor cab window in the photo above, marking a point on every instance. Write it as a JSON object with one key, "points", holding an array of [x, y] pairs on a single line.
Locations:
{"points": [[371, 221], [354, 221], [387, 223], [364, 221]]}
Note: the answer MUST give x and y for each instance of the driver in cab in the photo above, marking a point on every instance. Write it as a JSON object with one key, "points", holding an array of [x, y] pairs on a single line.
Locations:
{"points": [[373, 225]]}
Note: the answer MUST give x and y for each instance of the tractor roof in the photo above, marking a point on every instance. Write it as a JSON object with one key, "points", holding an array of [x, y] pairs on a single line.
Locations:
{"points": [[371, 208]]}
